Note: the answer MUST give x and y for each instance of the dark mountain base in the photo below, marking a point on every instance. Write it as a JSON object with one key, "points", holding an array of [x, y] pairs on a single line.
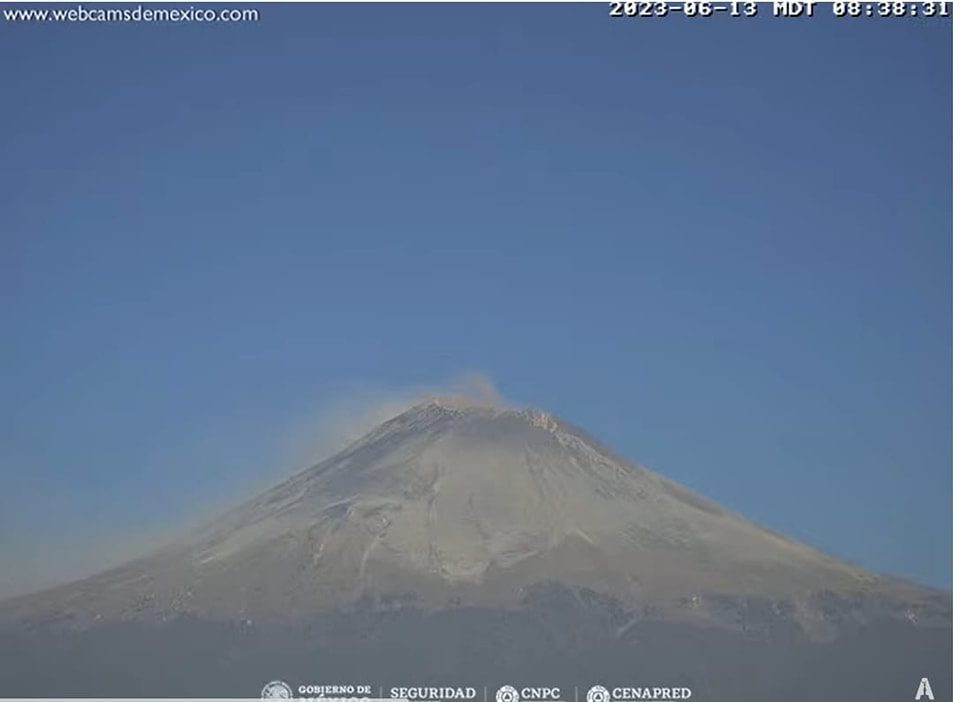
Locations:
{"points": [[549, 643]]}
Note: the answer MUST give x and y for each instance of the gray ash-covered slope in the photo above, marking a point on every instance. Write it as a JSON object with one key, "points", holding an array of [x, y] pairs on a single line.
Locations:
{"points": [[455, 503], [505, 543]]}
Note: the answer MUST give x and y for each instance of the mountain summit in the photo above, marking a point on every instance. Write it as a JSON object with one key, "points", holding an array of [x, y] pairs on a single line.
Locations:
{"points": [[455, 503]]}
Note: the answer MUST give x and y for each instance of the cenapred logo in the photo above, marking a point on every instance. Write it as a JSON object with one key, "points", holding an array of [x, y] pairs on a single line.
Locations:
{"points": [[598, 693], [276, 690]]}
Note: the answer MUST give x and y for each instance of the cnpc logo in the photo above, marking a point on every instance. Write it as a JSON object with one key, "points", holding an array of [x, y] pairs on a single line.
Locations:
{"points": [[508, 693]]}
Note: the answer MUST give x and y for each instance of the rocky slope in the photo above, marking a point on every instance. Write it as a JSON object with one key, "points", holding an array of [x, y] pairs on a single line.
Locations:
{"points": [[453, 504]]}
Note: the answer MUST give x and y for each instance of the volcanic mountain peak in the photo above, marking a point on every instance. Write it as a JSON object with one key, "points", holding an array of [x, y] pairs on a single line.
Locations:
{"points": [[453, 402], [440, 409], [458, 405], [467, 502]]}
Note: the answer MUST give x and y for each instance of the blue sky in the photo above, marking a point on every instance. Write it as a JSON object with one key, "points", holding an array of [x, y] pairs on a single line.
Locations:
{"points": [[721, 246]]}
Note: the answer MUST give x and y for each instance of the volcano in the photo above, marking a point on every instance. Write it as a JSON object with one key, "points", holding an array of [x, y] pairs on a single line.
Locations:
{"points": [[461, 541]]}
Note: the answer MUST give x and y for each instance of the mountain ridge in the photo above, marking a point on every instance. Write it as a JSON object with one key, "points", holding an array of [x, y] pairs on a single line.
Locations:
{"points": [[458, 503]]}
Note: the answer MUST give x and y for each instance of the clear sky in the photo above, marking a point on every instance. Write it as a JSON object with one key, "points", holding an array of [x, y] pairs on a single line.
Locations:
{"points": [[721, 246]]}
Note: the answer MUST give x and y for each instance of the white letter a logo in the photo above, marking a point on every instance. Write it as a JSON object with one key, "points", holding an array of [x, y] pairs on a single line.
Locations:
{"points": [[924, 690]]}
